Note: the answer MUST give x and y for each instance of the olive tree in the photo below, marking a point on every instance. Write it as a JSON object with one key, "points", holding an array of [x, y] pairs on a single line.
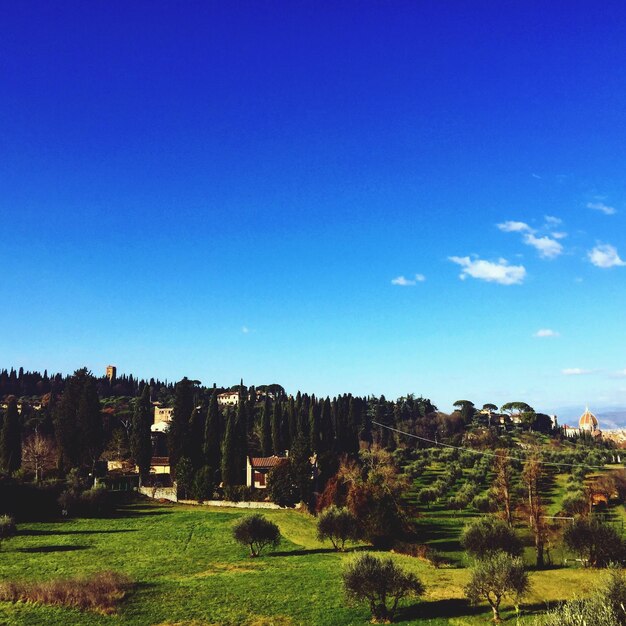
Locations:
{"points": [[381, 583], [495, 577], [597, 544], [256, 532], [338, 525], [490, 534]]}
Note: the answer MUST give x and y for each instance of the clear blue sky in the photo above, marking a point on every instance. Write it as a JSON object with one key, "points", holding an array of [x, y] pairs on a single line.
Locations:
{"points": [[291, 192]]}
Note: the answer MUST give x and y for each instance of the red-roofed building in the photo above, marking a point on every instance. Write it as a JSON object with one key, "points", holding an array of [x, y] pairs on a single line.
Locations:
{"points": [[258, 467]]}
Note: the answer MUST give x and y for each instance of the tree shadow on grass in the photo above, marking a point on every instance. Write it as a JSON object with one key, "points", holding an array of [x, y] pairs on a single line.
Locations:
{"points": [[50, 533], [39, 549], [303, 552], [457, 607]]}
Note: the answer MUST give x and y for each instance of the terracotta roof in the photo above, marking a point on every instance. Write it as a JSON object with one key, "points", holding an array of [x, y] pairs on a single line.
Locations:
{"points": [[588, 419], [266, 461], [159, 460]]}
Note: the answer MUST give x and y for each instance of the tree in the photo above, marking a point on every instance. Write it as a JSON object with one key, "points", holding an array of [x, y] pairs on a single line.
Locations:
{"points": [[212, 434], [277, 416], [503, 485], [266, 427], [597, 544], [89, 422], [497, 576], [531, 475], [368, 578], [140, 438], [202, 486], [256, 532], [8, 528], [38, 454], [489, 534], [11, 439], [229, 460], [521, 410], [466, 408], [178, 433], [183, 473], [338, 525]]}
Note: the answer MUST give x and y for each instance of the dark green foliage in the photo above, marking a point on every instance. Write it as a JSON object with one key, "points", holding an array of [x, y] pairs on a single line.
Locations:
{"points": [[257, 533], [8, 528], [212, 434], [179, 430], [595, 542], [489, 534], [381, 583], [202, 486], [266, 428], [277, 418], [140, 439], [183, 474], [229, 470], [89, 419], [495, 577], [338, 525], [196, 436], [11, 439], [575, 503]]}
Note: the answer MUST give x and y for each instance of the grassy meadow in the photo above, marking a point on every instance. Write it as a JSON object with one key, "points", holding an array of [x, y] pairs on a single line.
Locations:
{"points": [[188, 571]]}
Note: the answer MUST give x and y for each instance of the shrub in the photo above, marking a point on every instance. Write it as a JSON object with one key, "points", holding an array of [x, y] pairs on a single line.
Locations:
{"points": [[256, 532], [8, 528], [337, 524], [99, 592], [202, 488], [575, 503], [421, 551], [596, 543], [482, 503], [489, 534], [495, 577], [377, 581], [237, 493]]}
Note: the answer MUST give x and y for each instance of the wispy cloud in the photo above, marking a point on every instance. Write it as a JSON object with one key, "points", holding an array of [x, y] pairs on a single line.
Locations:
{"points": [[619, 374], [408, 282], [603, 208], [605, 256], [511, 226], [559, 235], [245, 330], [547, 247], [553, 221], [494, 272], [546, 332], [575, 371]]}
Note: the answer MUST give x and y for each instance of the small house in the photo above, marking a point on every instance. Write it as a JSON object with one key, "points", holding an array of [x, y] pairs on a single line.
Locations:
{"points": [[257, 469]]}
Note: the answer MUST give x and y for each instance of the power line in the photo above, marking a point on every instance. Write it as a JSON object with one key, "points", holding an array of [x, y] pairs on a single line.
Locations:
{"points": [[483, 452]]}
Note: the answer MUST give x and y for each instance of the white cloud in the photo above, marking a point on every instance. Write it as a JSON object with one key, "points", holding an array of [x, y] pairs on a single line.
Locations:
{"points": [[245, 330], [494, 272], [605, 256], [559, 235], [548, 248], [553, 221], [546, 332], [408, 282], [575, 371], [603, 208], [514, 227], [620, 374]]}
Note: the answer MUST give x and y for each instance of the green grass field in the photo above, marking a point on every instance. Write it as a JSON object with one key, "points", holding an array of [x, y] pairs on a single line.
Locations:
{"points": [[187, 570]]}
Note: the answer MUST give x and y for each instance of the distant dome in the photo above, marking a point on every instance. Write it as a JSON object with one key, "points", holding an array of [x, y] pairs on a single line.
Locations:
{"points": [[588, 421]]}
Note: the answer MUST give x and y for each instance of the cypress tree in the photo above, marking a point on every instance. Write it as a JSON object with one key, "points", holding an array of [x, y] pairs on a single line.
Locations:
{"points": [[178, 434], [89, 421], [65, 423], [212, 435], [11, 439], [326, 427], [266, 427], [277, 418], [196, 437], [229, 471], [314, 425], [141, 440], [241, 448]]}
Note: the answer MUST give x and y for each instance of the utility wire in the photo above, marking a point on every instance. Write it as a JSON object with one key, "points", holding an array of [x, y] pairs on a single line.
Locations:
{"points": [[483, 452]]}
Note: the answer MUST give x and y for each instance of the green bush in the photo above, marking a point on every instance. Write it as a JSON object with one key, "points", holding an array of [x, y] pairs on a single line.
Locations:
{"points": [[203, 484], [256, 532], [489, 534], [8, 528], [338, 525], [381, 583]]}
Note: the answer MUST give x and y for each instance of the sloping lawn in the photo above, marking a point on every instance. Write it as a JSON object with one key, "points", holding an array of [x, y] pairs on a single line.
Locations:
{"points": [[188, 571]]}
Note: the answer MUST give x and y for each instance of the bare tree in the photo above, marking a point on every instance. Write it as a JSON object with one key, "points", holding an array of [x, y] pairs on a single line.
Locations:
{"points": [[503, 484], [38, 455], [531, 475]]}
